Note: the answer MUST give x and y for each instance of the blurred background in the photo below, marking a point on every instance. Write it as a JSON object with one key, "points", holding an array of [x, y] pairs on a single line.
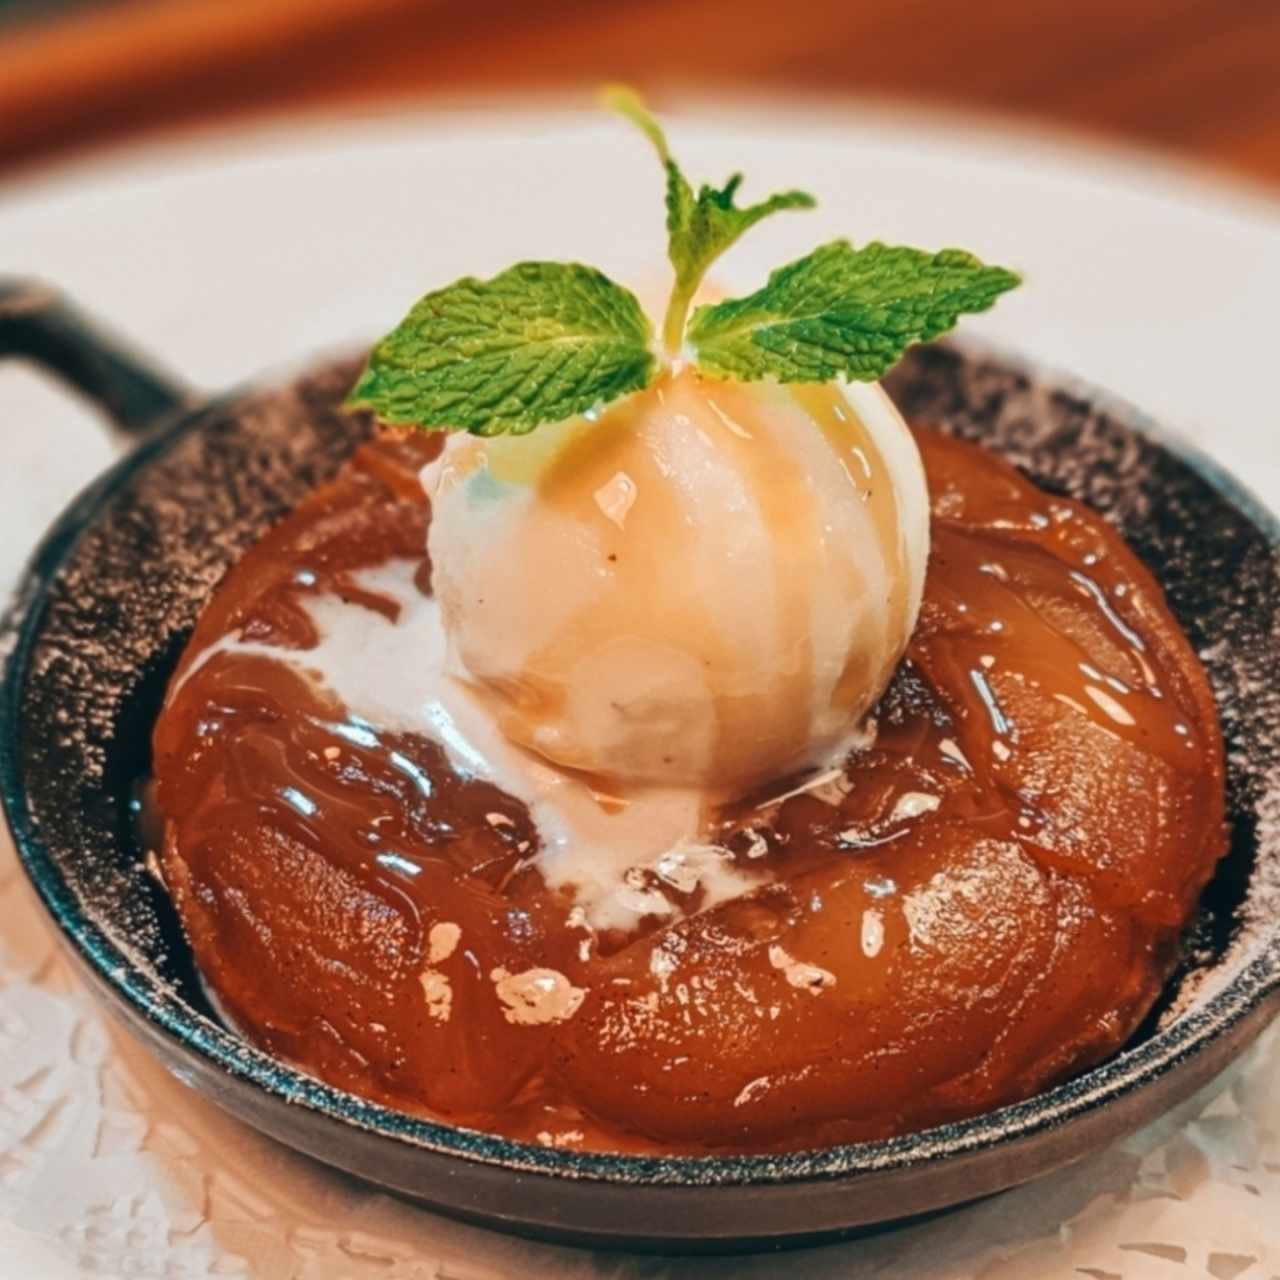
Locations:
{"points": [[1198, 77]]}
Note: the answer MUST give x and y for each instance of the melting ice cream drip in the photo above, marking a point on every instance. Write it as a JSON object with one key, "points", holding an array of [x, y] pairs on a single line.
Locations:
{"points": [[771, 597]]}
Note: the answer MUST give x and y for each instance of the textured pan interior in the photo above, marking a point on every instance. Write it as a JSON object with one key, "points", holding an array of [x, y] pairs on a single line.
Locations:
{"points": [[115, 590]]}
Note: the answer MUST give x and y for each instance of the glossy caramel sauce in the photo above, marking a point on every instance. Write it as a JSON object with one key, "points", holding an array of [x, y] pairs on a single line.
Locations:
{"points": [[983, 902]]}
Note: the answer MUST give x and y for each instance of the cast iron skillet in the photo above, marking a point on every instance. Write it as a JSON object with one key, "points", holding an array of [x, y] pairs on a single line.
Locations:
{"points": [[114, 588]]}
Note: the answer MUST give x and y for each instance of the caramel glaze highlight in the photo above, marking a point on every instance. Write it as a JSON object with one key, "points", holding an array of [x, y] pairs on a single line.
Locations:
{"points": [[985, 902]]}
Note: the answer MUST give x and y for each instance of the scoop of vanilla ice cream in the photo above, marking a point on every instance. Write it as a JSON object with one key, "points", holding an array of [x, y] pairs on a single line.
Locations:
{"points": [[708, 585]]}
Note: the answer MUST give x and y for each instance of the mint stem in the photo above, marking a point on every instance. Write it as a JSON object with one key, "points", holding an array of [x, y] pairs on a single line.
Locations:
{"points": [[673, 324], [701, 226]]}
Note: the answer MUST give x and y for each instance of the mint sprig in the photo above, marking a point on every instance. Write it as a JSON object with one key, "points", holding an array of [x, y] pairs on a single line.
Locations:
{"points": [[699, 228], [843, 312], [545, 341], [541, 342]]}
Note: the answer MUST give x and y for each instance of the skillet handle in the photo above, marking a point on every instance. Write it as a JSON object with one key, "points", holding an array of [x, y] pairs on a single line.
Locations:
{"points": [[39, 324]]}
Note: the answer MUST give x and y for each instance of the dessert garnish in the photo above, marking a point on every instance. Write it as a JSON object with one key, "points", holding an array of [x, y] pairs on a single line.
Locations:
{"points": [[724, 765], [544, 341]]}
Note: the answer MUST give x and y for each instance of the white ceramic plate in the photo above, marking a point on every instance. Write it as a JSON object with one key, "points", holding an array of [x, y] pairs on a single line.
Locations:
{"points": [[240, 251]]}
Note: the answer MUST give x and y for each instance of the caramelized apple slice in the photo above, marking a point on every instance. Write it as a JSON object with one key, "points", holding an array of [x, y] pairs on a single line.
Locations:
{"points": [[877, 993]]}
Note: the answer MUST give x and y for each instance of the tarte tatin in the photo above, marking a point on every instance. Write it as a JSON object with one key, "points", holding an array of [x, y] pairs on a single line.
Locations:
{"points": [[633, 786], [982, 902]]}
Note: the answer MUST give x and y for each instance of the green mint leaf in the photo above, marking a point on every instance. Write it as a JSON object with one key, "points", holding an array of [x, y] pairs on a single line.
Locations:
{"points": [[699, 227], [539, 343], [843, 312]]}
